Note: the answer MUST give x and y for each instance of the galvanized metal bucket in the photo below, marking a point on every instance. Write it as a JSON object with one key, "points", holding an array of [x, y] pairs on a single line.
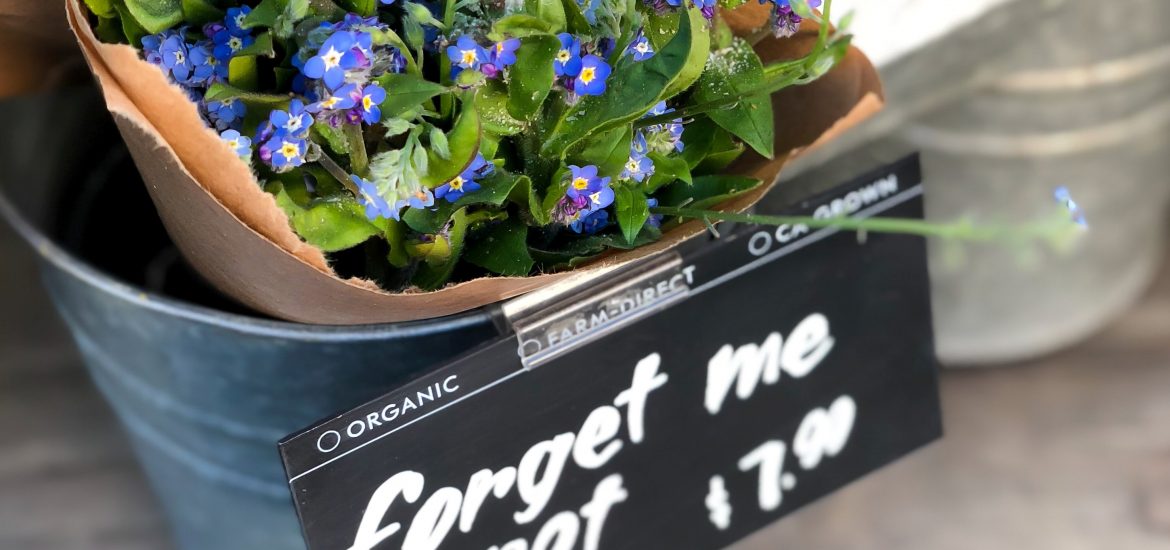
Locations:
{"points": [[203, 393]]}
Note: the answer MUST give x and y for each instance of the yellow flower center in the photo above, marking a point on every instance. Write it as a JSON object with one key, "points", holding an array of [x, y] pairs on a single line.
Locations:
{"points": [[457, 183], [329, 103], [632, 165], [332, 58], [469, 57], [234, 143], [563, 56], [293, 124], [367, 103], [179, 57], [235, 43], [596, 197], [500, 47], [420, 195], [290, 150], [580, 183], [587, 75]]}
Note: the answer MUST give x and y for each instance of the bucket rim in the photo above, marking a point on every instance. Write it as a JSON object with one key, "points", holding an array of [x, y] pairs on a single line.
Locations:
{"points": [[49, 251]]}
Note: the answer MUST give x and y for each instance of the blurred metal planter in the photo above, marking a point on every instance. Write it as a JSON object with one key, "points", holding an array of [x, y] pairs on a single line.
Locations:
{"points": [[203, 394], [1087, 106]]}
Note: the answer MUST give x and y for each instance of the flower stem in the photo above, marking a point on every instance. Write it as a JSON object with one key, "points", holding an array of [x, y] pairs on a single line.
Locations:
{"points": [[337, 172], [358, 158], [962, 230]]}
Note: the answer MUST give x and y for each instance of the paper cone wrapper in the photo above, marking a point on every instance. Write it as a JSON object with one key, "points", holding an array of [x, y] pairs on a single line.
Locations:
{"points": [[235, 235]]}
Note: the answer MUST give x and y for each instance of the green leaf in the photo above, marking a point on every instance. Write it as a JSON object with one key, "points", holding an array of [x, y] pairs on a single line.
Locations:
{"points": [[104, 9], [463, 140], [578, 251], [261, 47], [519, 25], [433, 275], [574, 19], [264, 14], [608, 150], [199, 12], [532, 76], [394, 237], [707, 191], [242, 73], [632, 90], [332, 136], [731, 72], [668, 169], [156, 15], [709, 148], [109, 30], [502, 249], [224, 92], [130, 26], [363, 7], [525, 195], [331, 224], [663, 27], [632, 210], [405, 92], [397, 127], [492, 103], [551, 12], [494, 190]]}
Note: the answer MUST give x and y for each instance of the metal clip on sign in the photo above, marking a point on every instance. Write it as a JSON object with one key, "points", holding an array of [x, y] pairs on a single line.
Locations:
{"points": [[563, 317]]}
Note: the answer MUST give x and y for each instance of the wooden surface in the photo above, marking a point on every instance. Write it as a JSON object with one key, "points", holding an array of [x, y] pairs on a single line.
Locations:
{"points": [[1071, 452]]}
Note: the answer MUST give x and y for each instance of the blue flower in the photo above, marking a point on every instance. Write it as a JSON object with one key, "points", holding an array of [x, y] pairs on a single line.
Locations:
{"points": [[638, 168], [293, 123], [226, 115], [342, 98], [504, 52], [655, 220], [466, 54], [589, 10], [336, 56], [151, 44], [591, 79], [641, 48], [1064, 198], [591, 223], [175, 58], [568, 59], [376, 206], [386, 2], [707, 7], [242, 145], [465, 182], [371, 97], [235, 20], [353, 22], [420, 198], [284, 152], [583, 181], [227, 44], [666, 137], [207, 69]]}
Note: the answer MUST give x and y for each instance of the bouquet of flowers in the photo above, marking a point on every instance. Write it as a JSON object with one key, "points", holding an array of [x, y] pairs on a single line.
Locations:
{"points": [[347, 161]]}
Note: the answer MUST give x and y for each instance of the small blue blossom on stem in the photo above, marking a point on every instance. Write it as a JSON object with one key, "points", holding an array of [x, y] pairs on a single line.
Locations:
{"points": [[586, 187], [225, 115], [1064, 198], [466, 181], [207, 69], [639, 166], [568, 59], [342, 98], [707, 7], [640, 48], [419, 198], [241, 144], [655, 220], [590, 223], [466, 54], [386, 2], [227, 44], [284, 152], [371, 97], [175, 58], [367, 196], [235, 20], [338, 54], [667, 137], [503, 53], [294, 123], [591, 79]]}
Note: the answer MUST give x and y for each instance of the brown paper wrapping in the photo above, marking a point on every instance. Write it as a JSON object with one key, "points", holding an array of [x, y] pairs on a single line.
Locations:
{"points": [[234, 234]]}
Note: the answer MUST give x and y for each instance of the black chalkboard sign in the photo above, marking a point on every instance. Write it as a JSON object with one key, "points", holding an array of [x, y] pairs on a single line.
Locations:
{"points": [[737, 382]]}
